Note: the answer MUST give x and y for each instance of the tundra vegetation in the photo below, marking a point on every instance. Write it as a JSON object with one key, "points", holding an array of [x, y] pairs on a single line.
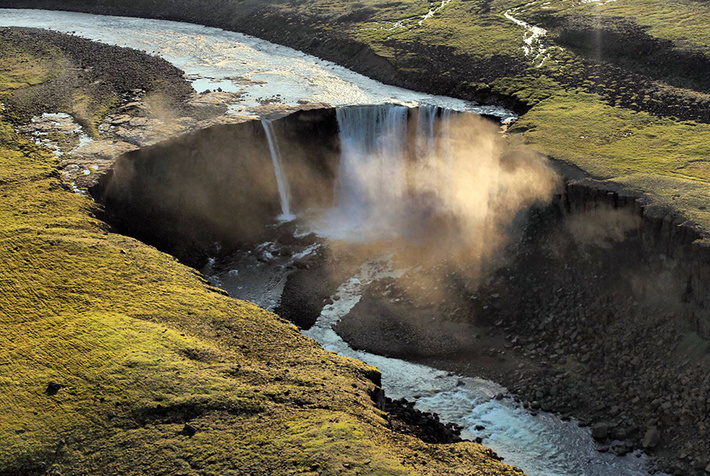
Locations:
{"points": [[617, 88]]}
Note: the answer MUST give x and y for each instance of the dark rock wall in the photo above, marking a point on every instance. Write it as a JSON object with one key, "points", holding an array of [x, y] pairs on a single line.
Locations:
{"points": [[667, 243], [607, 294], [218, 185]]}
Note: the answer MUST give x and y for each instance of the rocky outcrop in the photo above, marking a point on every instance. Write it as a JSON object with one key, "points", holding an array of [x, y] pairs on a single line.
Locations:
{"points": [[595, 310], [607, 295], [669, 242]]}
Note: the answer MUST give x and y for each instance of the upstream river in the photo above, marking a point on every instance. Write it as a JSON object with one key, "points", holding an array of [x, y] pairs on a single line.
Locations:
{"points": [[259, 70], [262, 72]]}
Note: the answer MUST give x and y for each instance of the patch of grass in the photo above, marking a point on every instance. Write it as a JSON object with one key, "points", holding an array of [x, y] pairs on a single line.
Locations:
{"points": [[684, 22], [529, 92], [660, 156], [609, 141], [20, 68]]}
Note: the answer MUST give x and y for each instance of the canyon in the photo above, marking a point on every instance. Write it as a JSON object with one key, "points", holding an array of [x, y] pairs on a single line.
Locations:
{"points": [[449, 267]]}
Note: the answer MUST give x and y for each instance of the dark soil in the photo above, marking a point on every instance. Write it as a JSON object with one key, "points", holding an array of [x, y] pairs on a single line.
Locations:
{"points": [[101, 73], [626, 45]]}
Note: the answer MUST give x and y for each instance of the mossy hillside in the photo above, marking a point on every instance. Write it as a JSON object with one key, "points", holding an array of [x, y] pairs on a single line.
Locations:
{"points": [[660, 156], [684, 22], [140, 345]]}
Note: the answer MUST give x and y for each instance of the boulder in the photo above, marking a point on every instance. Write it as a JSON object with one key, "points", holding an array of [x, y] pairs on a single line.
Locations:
{"points": [[651, 438], [600, 431]]}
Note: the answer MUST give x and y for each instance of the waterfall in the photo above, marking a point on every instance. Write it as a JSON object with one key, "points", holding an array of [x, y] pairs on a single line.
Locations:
{"points": [[372, 167], [373, 194], [281, 180], [426, 138]]}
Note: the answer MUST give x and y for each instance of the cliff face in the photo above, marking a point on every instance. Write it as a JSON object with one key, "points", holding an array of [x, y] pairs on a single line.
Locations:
{"points": [[645, 124], [668, 243], [609, 293], [219, 184]]}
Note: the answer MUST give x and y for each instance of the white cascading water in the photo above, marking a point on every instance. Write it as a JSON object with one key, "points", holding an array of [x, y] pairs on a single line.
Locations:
{"points": [[372, 171], [426, 138], [281, 180], [373, 190], [372, 140]]}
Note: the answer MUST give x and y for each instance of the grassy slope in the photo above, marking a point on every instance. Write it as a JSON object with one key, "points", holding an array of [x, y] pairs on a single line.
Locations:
{"points": [[141, 345], [683, 21]]}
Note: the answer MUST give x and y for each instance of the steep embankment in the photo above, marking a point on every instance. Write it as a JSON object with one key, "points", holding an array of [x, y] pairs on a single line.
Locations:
{"points": [[651, 90], [596, 310], [116, 359]]}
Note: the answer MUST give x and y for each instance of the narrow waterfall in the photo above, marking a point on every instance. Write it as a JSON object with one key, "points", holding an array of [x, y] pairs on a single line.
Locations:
{"points": [[281, 179], [426, 137]]}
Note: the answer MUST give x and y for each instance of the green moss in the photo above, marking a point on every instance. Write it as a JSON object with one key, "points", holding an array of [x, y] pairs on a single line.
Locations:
{"points": [[684, 22], [660, 156], [529, 92], [20, 68]]}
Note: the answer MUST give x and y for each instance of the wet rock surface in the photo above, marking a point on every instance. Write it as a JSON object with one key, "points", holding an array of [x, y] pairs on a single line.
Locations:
{"points": [[404, 418], [307, 290]]}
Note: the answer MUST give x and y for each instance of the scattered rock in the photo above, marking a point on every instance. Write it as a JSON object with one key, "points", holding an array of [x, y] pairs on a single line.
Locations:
{"points": [[651, 438], [603, 448], [600, 431], [189, 430], [53, 388]]}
